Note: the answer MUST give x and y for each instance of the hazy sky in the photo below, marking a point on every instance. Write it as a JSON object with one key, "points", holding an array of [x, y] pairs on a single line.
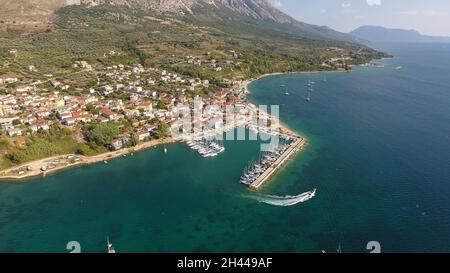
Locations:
{"points": [[427, 16]]}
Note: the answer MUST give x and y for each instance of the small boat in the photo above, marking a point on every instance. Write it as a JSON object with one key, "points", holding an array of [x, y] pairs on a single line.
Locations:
{"points": [[398, 67], [106, 162], [110, 246], [165, 150], [286, 94]]}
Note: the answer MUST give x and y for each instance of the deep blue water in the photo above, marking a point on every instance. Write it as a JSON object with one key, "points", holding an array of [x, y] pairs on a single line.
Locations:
{"points": [[381, 144], [379, 156]]}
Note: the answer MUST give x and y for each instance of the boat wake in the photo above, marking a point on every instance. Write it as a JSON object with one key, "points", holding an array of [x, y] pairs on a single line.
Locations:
{"points": [[283, 201]]}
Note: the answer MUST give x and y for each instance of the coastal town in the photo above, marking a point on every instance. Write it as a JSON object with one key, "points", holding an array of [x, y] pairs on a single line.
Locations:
{"points": [[147, 106]]}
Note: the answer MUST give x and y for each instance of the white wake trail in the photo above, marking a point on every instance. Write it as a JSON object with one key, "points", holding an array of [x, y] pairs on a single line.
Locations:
{"points": [[283, 201]]}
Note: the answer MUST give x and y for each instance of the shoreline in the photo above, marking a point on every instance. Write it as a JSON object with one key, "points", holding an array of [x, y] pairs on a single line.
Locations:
{"points": [[301, 72], [34, 168], [36, 165]]}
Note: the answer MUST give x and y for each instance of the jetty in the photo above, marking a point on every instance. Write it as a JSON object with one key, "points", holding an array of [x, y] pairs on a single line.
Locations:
{"points": [[282, 158]]}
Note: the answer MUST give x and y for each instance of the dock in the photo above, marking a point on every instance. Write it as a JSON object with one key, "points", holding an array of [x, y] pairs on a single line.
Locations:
{"points": [[295, 146]]}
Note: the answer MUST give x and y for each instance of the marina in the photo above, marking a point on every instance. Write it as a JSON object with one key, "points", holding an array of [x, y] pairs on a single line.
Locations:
{"points": [[206, 148], [269, 162]]}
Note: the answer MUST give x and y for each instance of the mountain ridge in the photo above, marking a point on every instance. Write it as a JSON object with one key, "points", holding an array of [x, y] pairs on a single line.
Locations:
{"points": [[41, 12], [395, 35], [150, 36]]}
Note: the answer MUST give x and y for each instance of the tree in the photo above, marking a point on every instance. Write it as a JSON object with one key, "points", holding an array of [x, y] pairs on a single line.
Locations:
{"points": [[163, 130], [92, 109], [83, 149], [102, 133], [134, 140], [161, 105]]}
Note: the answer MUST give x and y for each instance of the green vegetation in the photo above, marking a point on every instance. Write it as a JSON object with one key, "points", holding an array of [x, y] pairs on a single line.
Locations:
{"points": [[101, 134], [137, 36], [56, 141]]}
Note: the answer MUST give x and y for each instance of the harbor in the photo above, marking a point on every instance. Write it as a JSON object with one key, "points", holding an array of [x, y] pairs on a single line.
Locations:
{"points": [[259, 172], [206, 148]]}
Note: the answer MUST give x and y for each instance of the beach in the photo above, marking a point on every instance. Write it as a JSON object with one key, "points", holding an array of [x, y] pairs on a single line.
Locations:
{"points": [[36, 168]]}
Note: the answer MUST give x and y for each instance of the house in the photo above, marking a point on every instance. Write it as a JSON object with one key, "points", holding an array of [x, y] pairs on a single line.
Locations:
{"points": [[110, 115], [55, 83], [5, 110], [105, 90], [152, 130], [24, 89], [28, 118], [8, 99], [43, 125], [143, 135], [132, 112], [115, 105], [84, 117], [14, 132], [42, 113], [116, 144], [69, 121], [7, 122], [64, 115], [147, 106], [9, 78]]}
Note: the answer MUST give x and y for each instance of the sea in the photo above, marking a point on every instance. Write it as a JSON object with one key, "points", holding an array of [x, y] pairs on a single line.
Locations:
{"points": [[378, 155]]}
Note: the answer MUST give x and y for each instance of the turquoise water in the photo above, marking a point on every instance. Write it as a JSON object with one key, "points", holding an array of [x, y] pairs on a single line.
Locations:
{"points": [[379, 156]]}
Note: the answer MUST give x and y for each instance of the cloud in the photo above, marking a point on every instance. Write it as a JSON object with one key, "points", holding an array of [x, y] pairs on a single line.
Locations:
{"points": [[323, 11], [346, 5], [373, 2]]}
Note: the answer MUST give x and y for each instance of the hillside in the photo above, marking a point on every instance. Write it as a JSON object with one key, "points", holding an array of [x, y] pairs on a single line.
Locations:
{"points": [[386, 35], [146, 31], [29, 11], [38, 13]]}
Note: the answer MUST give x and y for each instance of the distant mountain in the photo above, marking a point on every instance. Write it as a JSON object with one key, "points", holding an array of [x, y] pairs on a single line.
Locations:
{"points": [[386, 35]]}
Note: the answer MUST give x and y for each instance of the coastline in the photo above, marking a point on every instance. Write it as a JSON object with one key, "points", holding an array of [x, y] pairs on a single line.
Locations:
{"points": [[302, 72], [34, 169], [36, 165]]}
